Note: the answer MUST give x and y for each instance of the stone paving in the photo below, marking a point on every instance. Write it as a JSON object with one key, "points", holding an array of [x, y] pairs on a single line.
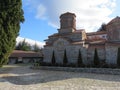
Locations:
{"points": [[24, 78]]}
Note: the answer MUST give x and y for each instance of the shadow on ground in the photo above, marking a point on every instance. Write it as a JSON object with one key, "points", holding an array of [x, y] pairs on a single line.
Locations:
{"points": [[27, 76]]}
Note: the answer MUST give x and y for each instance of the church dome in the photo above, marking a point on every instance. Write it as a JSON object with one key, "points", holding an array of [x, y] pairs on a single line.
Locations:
{"points": [[67, 14], [68, 20]]}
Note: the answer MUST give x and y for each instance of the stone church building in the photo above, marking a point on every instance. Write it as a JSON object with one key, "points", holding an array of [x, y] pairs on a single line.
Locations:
{"points": [[72, 40]]}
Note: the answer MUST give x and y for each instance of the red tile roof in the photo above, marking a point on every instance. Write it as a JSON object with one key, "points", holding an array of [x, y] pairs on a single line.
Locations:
{"points": [[96, 33], [117, 19], [67, 13], [98, 42], [19, 53]]}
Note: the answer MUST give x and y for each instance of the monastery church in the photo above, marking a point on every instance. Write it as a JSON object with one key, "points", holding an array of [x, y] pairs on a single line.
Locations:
{"points": [[72, 41]]}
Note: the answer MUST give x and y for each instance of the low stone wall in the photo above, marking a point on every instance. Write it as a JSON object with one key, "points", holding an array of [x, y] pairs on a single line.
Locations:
{"points": [[84, 70]]}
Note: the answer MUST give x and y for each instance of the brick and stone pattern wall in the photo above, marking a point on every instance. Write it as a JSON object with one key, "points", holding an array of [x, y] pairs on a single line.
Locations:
{"points": [[47, 52], [68, 20], [70, 36], [67, 23], [59, 48], [111, 53], [66, 30], [113, 29], [71, 40], [73, 52], [91, 50], [76, 37]]}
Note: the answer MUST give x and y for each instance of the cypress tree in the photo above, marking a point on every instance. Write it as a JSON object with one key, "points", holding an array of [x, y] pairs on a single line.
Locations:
{"points": [[103, 27], [118, 57], [23, 46], [53, 58], [65, 59], [36, 48], [11, 15], [96, 58], [79, 62]]}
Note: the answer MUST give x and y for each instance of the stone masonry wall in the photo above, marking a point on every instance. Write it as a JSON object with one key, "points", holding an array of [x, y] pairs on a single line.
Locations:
{"points": [[47, 52], [111, 53], [71, 51], [91, 50]]}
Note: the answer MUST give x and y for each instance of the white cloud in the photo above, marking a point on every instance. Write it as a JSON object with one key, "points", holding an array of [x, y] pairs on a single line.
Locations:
{"points": [[90, 13], [30, 41]]}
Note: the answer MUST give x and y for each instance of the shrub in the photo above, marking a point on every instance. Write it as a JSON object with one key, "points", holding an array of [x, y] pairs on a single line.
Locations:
{"points": [[65, 59], [53, 58], [96, 58], [118, 57], [79, 61]]}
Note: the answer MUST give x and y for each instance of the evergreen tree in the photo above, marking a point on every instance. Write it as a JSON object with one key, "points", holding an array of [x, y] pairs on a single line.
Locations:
{"points": [[118, 57], [65, 59], [80, 62], [96, 58], [23, 46], [53, 58], [103, 27], [11, 15], [36, 48]]}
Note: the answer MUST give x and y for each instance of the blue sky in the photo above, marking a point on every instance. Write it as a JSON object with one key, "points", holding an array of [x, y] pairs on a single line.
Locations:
{"points": [[42, 16]]}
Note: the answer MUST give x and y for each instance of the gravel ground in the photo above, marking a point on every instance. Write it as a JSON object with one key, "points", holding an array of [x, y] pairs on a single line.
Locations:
{"points": [[21, 77]]}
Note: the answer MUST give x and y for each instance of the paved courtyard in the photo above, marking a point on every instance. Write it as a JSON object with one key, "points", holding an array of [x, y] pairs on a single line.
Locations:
{"points": [[21, 77]]}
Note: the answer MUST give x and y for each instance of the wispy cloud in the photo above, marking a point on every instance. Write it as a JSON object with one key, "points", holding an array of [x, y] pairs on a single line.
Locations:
{"points": [[41, 10], [90, 13]]}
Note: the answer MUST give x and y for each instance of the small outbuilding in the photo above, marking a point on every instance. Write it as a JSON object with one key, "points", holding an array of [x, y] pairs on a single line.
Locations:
{"points": [[25, 57]]}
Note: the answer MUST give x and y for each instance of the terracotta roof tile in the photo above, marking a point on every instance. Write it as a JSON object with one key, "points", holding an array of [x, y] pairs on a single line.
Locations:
{"points": [[117, 19], [96, 33], [67, 13], [19, 53]]}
